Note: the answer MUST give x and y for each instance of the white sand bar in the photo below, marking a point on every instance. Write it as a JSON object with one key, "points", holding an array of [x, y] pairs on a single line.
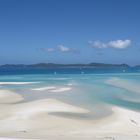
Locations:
{"points": [[16, 83], [47, 106], [44, 88], [52, 89], [63, 89]]}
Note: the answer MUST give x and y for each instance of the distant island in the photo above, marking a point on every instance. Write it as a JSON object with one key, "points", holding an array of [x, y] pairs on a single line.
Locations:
{"points": [[53, 65]]}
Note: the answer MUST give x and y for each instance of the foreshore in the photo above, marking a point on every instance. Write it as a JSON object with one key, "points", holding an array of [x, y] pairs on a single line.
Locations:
{"points": [[35, 120]]}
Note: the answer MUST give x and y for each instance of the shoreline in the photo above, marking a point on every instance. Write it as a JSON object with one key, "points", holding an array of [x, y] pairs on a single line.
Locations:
{"points": [[34, 120]]}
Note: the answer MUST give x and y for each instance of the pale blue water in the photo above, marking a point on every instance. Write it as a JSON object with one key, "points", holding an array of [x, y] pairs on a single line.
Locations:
{"points": [[87, 90]]}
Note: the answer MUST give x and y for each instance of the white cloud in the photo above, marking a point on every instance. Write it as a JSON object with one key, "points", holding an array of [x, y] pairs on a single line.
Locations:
{"points": [[59, 48], [62, 48], [118, 44]]}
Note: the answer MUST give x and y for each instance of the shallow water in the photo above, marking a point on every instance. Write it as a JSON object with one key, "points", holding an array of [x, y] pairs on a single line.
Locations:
{"points": [[91, 91]]}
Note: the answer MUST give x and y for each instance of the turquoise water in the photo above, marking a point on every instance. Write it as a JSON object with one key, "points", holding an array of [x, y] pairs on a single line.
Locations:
{"points": [[90, 91]]}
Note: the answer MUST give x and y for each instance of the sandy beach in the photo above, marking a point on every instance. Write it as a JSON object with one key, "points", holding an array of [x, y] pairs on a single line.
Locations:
{"points": [[39, 120]]}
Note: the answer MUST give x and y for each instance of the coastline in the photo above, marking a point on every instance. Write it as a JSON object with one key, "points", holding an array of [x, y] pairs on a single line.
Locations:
{"points": [[34, 120]]}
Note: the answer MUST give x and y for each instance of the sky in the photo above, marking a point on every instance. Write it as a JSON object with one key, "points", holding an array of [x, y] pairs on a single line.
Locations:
{"points": [[69, 31]]}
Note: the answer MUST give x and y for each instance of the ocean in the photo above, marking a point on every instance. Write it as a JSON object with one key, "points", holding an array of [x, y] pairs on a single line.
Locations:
{"points": [[17, 71]]}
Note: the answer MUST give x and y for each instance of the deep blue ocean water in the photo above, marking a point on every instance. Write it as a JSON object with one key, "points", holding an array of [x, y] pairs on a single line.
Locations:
{"points": [[16, 71]]}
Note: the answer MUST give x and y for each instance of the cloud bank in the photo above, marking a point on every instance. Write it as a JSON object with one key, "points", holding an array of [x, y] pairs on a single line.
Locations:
{"points": [[60, 48], [117, 44]]}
